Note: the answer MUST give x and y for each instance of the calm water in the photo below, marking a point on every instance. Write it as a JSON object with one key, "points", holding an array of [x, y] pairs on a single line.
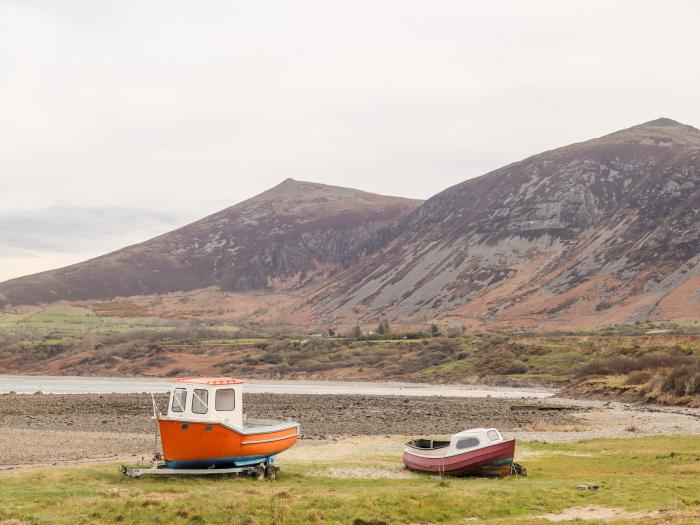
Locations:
{"points": [[106, 385]]}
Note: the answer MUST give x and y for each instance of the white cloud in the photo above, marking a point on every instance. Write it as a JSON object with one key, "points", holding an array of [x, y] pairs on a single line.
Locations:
{"points": [[192, 106], [38, 240]]}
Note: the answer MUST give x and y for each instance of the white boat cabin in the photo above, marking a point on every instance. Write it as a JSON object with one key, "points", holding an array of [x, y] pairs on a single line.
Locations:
{"points": [[207, 399], [465, 441]]}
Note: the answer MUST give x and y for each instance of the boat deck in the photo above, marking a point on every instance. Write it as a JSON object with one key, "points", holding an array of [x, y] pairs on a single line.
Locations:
{"points": [[256, 426]]}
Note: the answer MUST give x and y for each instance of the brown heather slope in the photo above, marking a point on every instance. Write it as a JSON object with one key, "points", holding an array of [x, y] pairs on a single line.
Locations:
{"points": [[598, 232], [278, 240]]}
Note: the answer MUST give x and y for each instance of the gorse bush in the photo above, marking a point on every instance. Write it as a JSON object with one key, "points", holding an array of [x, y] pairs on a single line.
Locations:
{"points": [[674, 372], [516, 367], [622, 365], [638, 377], [684, 381]]}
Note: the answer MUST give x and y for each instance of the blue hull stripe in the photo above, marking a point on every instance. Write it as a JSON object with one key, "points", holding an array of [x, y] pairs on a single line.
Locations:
{"points": [[239, 461]]}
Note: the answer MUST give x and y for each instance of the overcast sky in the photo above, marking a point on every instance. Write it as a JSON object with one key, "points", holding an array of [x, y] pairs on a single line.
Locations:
{"points": [[121, 120]]}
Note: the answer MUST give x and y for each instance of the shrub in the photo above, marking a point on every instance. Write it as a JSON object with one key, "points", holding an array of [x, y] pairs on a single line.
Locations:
{"points": [[653, 386], [682, 381], [623, 364], [271, 358], [415, 335], [663, 360], [638, 377], [675, 382], [516, 367], [696, 384]]}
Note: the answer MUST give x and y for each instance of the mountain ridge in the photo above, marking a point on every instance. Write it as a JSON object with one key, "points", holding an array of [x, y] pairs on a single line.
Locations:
{"points": [[545, 204], [283, 234], [603, 230]]}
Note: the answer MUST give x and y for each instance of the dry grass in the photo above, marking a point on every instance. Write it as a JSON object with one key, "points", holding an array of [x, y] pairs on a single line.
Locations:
{"points": [[658, 478]]}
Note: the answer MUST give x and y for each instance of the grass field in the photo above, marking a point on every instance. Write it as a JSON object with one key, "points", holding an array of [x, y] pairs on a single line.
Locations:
{"points": [[73, 320], [361, 481], [76, 320]]}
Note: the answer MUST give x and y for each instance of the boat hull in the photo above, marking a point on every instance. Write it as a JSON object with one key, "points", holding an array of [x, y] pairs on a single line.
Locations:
{"points": [[494, 460], [193, 444]]}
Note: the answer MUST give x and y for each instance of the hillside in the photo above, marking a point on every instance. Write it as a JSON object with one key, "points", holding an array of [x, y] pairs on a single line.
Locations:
{"points": [[278, 240], [598, 232]]}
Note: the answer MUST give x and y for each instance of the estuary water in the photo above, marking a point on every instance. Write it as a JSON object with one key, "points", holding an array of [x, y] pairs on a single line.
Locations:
{"points": [[123, 385]]}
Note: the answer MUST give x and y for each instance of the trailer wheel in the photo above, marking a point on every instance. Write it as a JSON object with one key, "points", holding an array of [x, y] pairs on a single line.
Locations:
{"points": [[260, 473], [271, 472], [518, 470]]}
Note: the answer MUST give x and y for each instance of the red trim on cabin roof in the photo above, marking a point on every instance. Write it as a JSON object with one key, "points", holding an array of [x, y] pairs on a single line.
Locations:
{"points": [[210, 380]]}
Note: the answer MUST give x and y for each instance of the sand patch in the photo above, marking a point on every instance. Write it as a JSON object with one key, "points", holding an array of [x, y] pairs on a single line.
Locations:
{"points": [[596, 512], [521, 454], [23, 446], [345, 449], [367, 473], [383, 452]]}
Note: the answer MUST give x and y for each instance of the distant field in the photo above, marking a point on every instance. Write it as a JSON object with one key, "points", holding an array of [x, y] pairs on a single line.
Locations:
{"points": [[72, 320], [643, 480], [75, 320]]}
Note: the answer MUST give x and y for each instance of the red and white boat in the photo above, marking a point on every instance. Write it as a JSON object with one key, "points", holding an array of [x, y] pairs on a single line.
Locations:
{"points": [[478, 451]]}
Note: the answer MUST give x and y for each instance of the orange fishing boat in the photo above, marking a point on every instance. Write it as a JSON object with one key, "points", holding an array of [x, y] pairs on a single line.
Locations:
{"points": [[206, 428]]}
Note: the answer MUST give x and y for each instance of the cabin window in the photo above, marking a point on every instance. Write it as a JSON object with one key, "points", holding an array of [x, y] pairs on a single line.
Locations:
{"points": [[179, 400], [493, 435], [200, 400], [469, 442], [225, 399]]}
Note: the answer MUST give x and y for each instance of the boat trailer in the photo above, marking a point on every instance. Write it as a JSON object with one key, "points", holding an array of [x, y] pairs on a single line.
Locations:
{"points": [[260, 471]]}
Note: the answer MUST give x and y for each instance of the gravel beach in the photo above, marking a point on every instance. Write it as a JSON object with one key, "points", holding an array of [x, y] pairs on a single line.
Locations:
{"points": [[65, 428], [320, 416]]}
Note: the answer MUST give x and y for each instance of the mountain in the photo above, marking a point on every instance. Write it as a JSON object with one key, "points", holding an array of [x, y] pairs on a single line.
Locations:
{"points": [[280, 239], [599, 232], [602, 231]]}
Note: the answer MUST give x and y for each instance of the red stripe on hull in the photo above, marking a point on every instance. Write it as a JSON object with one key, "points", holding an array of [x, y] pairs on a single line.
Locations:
{"points": [[462, 463]]}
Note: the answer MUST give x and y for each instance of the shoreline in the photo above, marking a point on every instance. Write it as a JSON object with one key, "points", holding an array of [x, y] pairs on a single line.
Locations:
{"points": [[30, 384]]}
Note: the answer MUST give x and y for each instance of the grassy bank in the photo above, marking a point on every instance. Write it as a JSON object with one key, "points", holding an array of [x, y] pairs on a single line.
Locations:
{"points": [[362, 481]]}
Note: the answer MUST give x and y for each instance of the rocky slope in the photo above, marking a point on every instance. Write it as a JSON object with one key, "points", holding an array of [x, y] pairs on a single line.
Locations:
{"points": [[601, 231], [278, 240], [598, 232]]}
